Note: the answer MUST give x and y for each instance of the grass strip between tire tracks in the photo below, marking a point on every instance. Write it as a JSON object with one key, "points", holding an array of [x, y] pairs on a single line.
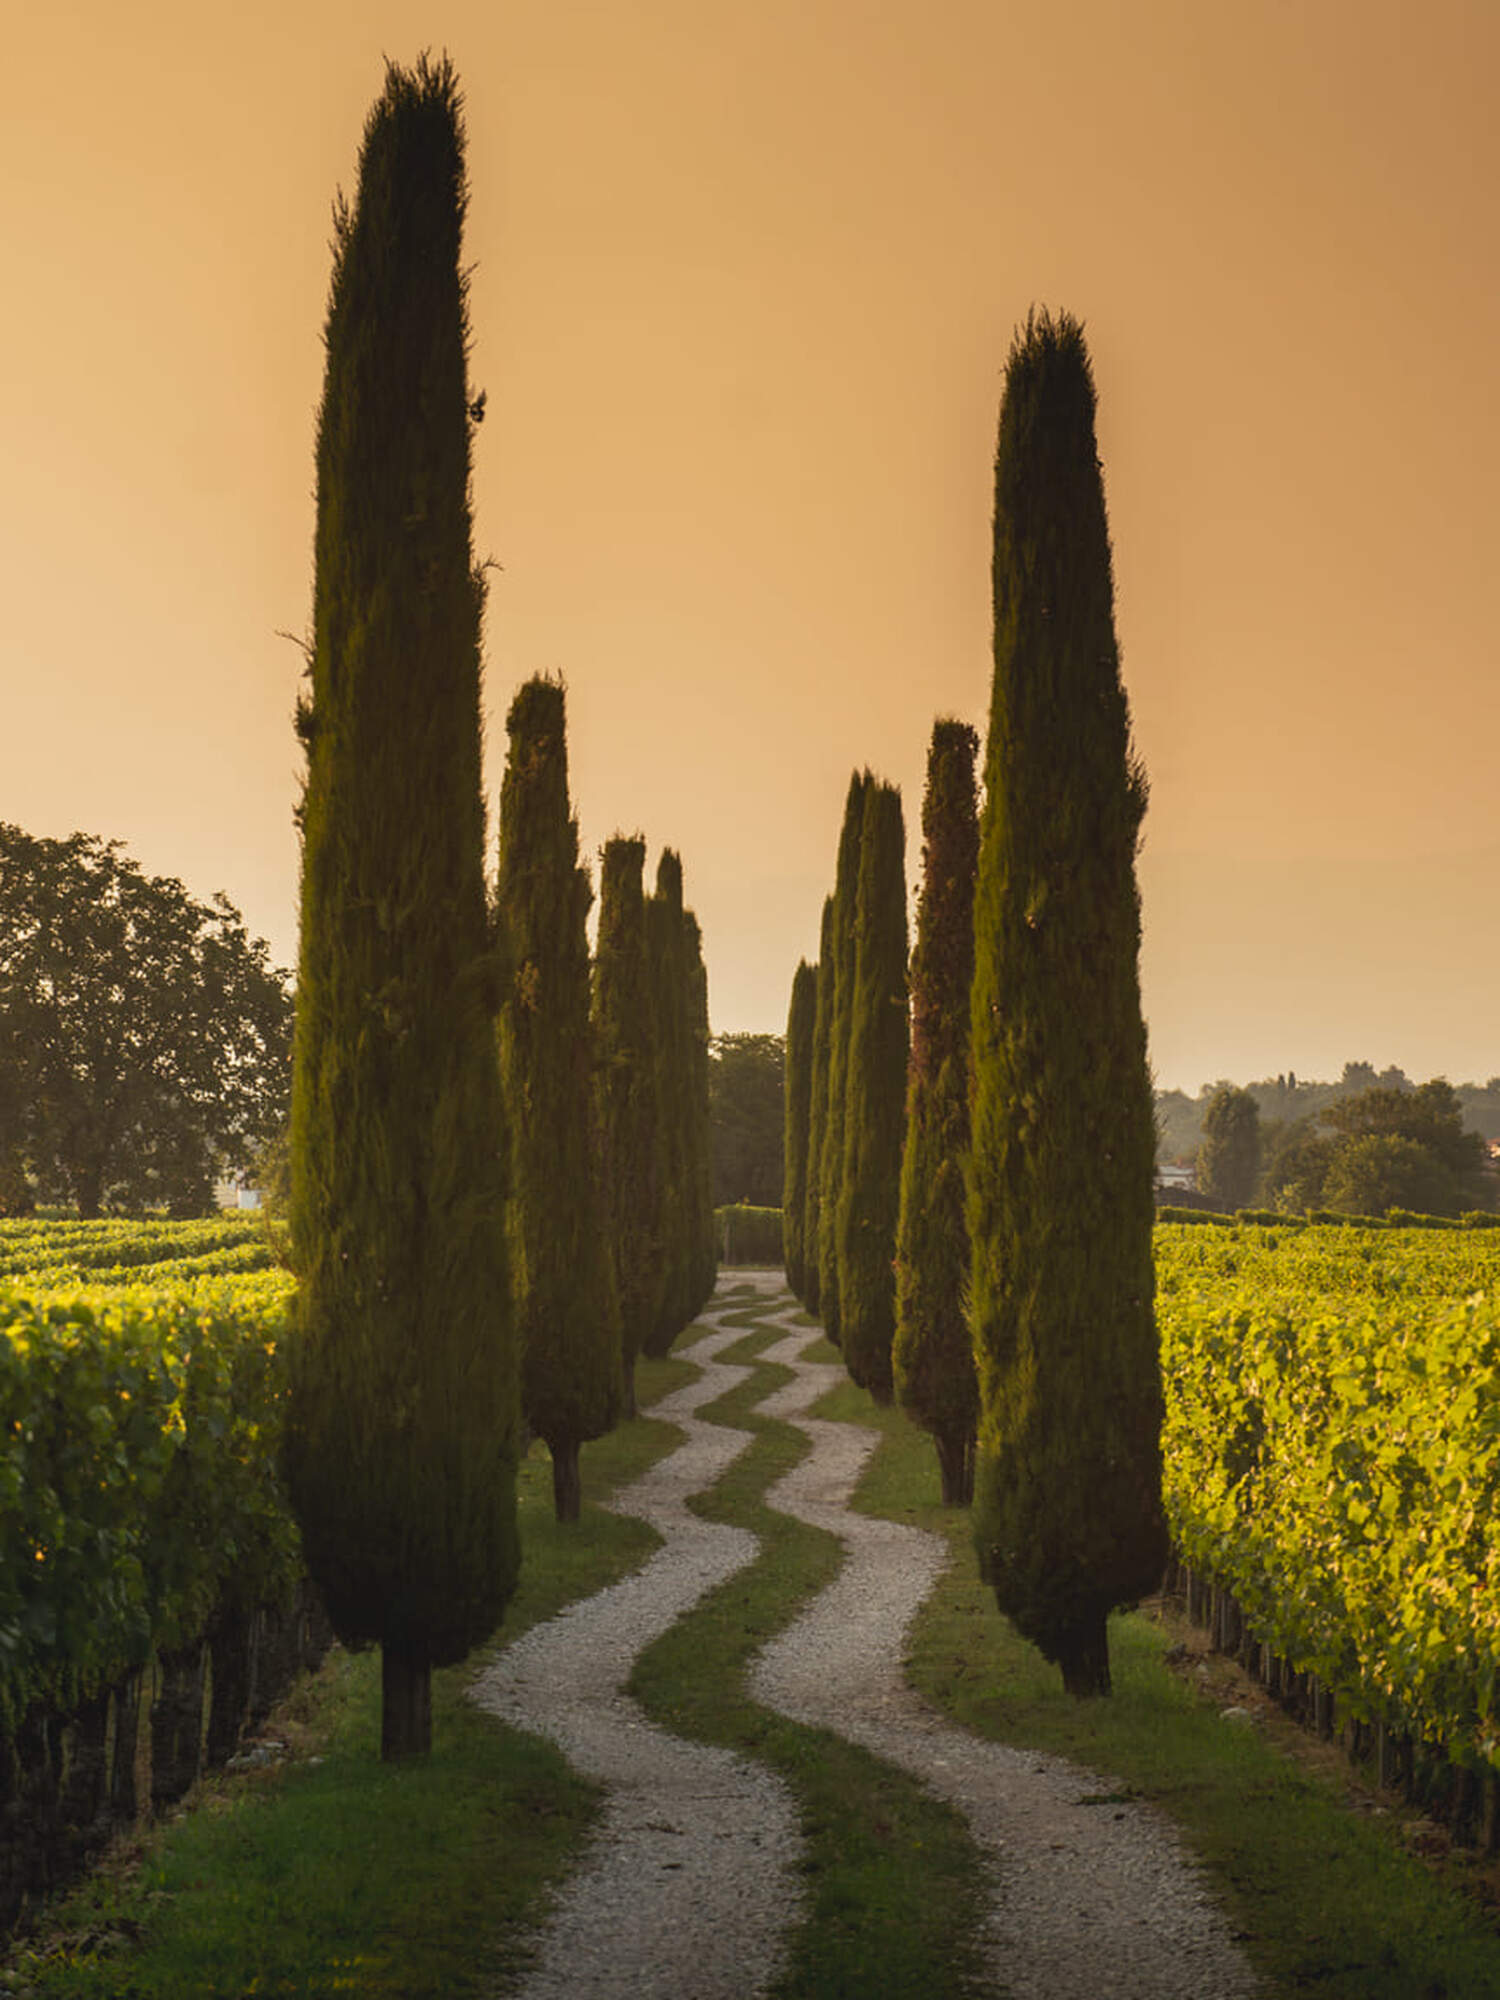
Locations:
{"points": [[895, 1889]]}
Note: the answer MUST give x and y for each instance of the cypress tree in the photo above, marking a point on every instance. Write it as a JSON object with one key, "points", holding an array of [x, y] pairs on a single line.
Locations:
{"points": [[666, 940], [932, 1358], [401, 1419], [1068, 1514], [874, 1098], [700, 1197], [568, 1320], [831, 1159], [817, 1113], [626, 1096], [799, 1035]]}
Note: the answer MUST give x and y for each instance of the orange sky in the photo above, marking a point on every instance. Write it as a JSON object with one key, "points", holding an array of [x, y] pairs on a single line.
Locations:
{"points": [[746, 276]]}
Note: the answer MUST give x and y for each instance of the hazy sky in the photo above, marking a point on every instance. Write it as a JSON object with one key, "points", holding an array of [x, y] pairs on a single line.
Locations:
{"points": [[745, 277]]}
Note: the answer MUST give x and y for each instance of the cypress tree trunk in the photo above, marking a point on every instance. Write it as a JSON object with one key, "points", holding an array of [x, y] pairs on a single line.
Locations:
{"points": [[874, 1099], [832, 1160], [567, 1480], [799, 1036], [932, 1356], [405, 1703], [955, 1456], [399, 1445], [1068, 1515], [567, 1313], [1083, 1654]]}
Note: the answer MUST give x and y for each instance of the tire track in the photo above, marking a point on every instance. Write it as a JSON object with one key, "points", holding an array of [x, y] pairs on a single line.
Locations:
{"points": [[1089, 1899], [689, 1889]]}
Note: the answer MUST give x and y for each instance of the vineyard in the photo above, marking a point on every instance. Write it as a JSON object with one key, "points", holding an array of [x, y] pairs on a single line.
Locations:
{"points": [[1333, 1464], [142, 1524], [1332, 1476]]}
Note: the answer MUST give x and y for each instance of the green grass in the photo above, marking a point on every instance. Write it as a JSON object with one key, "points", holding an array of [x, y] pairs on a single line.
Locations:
{"points": [[894, 1895], [1325, 1899], [349, 1875]]}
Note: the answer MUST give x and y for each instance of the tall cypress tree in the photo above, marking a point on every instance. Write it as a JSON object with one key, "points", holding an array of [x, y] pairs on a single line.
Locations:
{"points": [[874, 1098], [401, 1421], [817, 1113], [932, 1357], [799, 1035], [1068, 1514], [626, 1095], [700, 1194], [831, 1160], [568, 1317], [666, 941]]}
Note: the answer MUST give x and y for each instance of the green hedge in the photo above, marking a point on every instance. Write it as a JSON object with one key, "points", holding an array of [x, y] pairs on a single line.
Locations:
{"points": [[748, 1235], [1329, 1218]]}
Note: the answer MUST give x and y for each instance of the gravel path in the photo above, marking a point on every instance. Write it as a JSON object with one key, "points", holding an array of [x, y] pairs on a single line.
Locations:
{"points": [[689, 1889], [1091, 1900], [689, 1886]]}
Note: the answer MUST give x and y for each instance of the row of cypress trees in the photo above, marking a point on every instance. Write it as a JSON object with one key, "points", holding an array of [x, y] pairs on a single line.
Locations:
{"points": [[499, 1156], [1025, 1329], [846, 1059]]}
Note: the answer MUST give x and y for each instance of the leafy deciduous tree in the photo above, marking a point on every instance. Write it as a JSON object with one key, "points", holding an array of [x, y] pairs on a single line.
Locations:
{"points": [[747, 1107], [1229, 1153], [145, 1039]]}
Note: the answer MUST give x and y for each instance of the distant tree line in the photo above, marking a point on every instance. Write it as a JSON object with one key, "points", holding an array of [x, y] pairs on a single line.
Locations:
{"points": [[1288, 1098], [1359, 1147]]}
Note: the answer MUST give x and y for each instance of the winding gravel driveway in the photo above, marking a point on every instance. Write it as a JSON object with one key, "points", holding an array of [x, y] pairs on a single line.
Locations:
{"points": [[689, 1889], [1090, 1899]]}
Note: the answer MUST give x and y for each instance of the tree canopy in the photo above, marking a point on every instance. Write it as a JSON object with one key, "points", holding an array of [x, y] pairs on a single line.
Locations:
{"points": [[1381, 1148], [932, 1356], [567, 1315], [623, 1018], [874, 1098], [1229, 1156], [145, 1037], [1068, 1512], [747, 1118], [799, 1044], [402, 1408]]}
